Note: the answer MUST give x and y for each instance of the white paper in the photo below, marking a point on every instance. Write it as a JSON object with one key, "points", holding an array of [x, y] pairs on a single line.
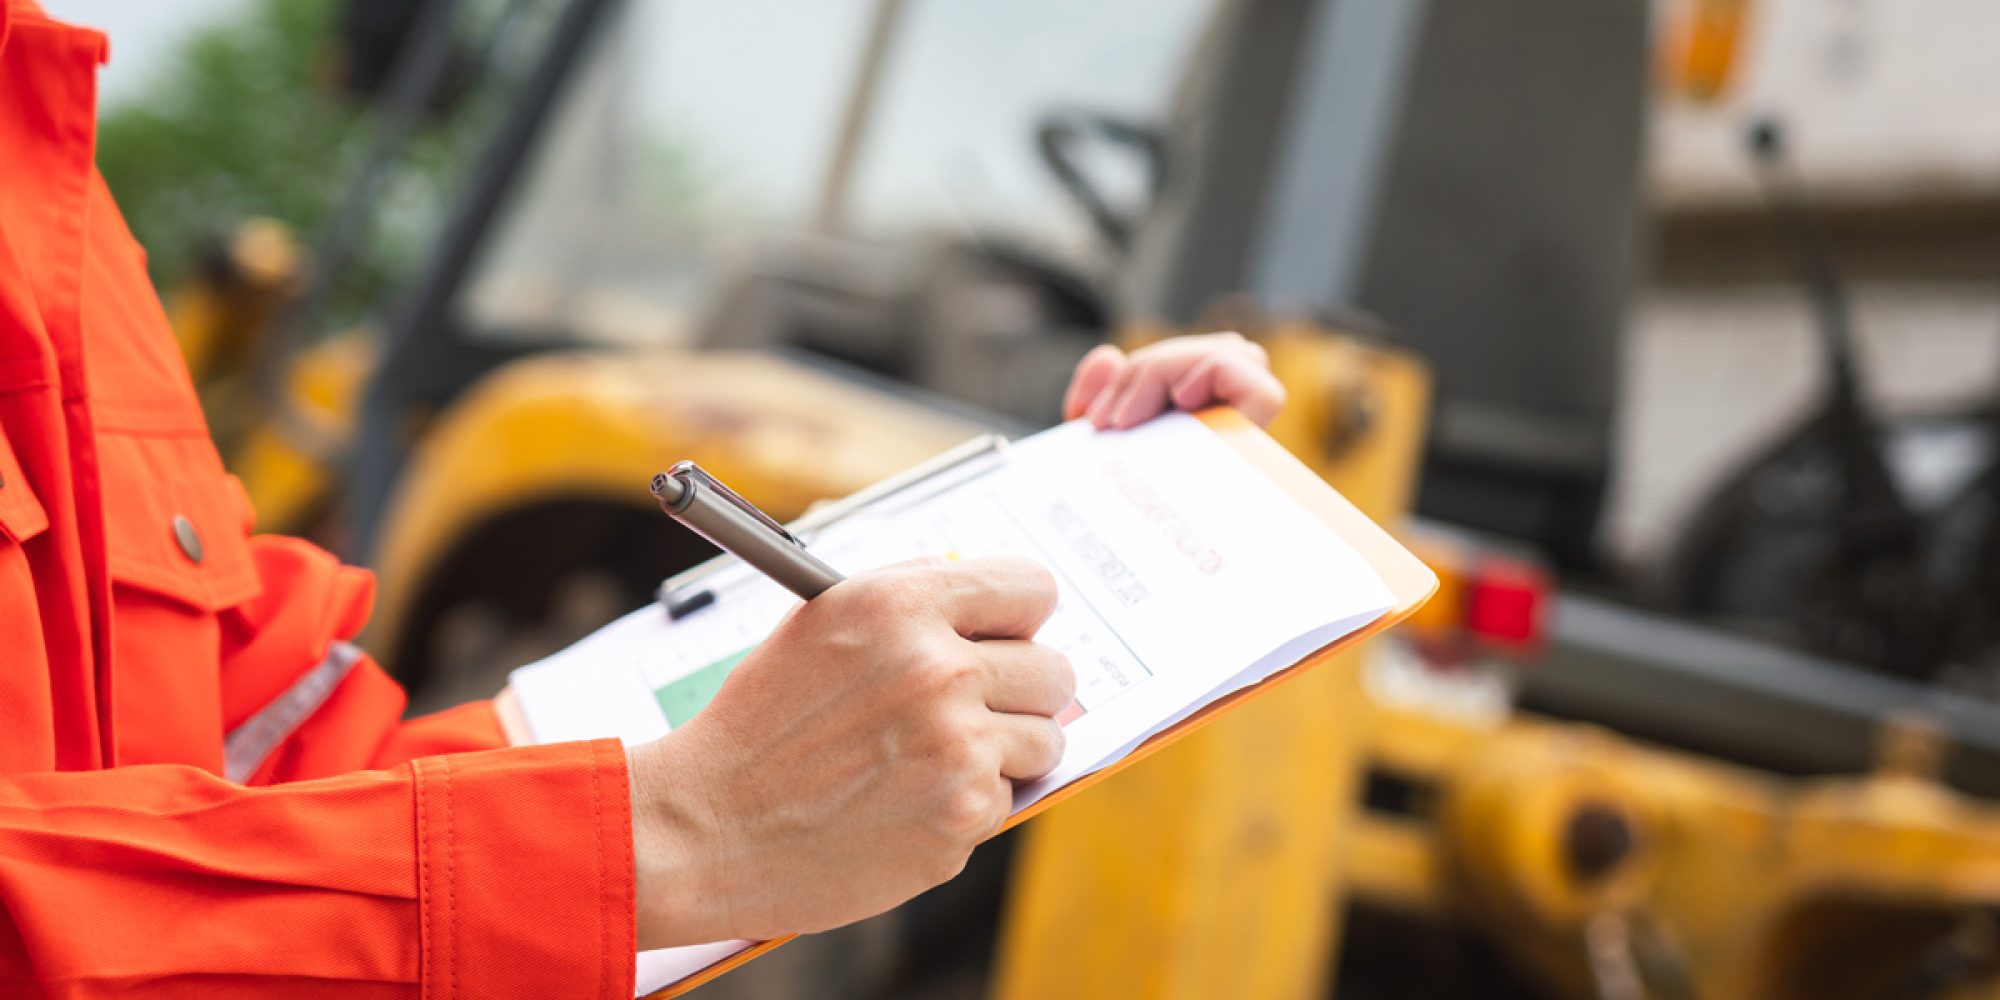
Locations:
{"points": [[1183, 575]]}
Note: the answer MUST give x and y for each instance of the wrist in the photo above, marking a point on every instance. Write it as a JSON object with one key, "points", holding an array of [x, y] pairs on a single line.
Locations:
{"points": [[677, 901]]}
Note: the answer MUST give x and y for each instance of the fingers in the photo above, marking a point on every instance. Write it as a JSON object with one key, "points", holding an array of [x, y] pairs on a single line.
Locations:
{"points": [[1099, 411], [1026, 678], [1094, 374], [1139, 395], [1030, 745], [1243, 384], [1000, 597], [1184, 372]]}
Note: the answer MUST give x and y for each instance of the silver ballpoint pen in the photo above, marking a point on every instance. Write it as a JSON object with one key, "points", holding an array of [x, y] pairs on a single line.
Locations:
{"points": [[715, 512]]}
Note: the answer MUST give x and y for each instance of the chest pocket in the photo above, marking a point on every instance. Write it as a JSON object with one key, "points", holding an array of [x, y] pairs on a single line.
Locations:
{"points": [[178, 555], [175, 522]]}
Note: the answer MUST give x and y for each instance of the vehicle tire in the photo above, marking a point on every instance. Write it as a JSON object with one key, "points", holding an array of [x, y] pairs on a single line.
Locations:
{"points": [[527, 582]]}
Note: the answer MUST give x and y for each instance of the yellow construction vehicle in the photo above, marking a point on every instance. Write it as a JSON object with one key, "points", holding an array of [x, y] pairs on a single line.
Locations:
{"points": [[583, 320]]}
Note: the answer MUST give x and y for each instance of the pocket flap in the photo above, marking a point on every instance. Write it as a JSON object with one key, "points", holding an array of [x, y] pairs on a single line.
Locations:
{"points": [[174, 522]]}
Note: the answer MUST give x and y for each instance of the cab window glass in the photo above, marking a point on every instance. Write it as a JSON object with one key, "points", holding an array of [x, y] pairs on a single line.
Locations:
{"points": [[692, 128], [697, 131]]}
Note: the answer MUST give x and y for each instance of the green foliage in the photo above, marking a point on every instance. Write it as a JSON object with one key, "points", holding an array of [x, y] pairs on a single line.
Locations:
{"points": [[235, 126], [242, 122]]}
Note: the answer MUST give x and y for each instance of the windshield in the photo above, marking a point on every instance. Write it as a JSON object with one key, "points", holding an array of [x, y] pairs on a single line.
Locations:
{"points": [[698, 131]]}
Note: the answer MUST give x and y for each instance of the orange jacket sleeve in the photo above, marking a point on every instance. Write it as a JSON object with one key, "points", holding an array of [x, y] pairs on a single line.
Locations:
{"points": [[299, 700], [487, 874], [365, 857]]}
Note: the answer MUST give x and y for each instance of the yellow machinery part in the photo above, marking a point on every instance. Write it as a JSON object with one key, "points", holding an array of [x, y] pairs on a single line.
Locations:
{"points": [[1212, 871], [219, 313], [597, 425], [1735, 883], [279, 459], [222, 318]]}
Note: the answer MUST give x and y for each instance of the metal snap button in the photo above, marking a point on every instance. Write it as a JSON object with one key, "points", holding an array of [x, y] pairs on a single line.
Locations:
{"points": [[188, 538]]}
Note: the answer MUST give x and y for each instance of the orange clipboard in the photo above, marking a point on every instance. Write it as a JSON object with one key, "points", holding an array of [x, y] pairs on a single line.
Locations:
{"points": [[1410, 584]]}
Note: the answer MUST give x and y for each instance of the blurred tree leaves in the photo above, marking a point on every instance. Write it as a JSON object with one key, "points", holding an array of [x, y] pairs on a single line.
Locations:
{"points": [[234, 126], [242, 121]]}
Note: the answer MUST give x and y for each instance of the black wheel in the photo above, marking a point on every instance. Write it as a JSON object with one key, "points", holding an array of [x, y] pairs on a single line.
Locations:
{"points": [[526, 583]]}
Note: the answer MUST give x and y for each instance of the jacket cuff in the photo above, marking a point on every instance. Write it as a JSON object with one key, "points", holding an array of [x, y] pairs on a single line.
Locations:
{"points": [[524, 868]]}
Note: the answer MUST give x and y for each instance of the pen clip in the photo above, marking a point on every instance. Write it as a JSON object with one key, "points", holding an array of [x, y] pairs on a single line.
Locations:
{"points": [[689, 471]]}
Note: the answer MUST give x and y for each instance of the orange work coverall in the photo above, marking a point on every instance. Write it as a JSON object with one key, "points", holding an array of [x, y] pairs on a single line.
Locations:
{"points": [[204, 789]]}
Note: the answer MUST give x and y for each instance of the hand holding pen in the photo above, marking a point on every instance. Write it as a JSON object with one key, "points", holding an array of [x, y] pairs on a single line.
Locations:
{"points": [[858, 754]]}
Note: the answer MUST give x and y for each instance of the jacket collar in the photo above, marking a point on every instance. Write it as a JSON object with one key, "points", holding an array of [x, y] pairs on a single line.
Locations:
{"points": [[25, 12]]}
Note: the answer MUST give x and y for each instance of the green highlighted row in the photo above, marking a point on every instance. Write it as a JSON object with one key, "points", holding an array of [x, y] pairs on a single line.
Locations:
{"points": [[684, 697]]}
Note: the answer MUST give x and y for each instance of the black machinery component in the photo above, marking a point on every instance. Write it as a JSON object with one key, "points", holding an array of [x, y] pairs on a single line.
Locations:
{"points": [[424, 359], [1827, 539], [1061, 132]]}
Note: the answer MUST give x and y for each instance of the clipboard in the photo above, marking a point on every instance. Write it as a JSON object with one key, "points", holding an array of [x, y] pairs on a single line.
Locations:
{"points": [[1409, 581]]}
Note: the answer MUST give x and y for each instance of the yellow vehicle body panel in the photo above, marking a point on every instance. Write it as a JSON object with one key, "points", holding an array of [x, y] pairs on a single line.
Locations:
{"points": [[598, 424]]}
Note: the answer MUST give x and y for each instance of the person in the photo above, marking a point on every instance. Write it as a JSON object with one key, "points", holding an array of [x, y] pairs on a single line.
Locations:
{"points": [[206, 788]]}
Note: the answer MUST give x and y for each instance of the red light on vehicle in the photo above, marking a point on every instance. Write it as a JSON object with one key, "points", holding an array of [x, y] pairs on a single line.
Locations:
{"points": [[1505, 604]]}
